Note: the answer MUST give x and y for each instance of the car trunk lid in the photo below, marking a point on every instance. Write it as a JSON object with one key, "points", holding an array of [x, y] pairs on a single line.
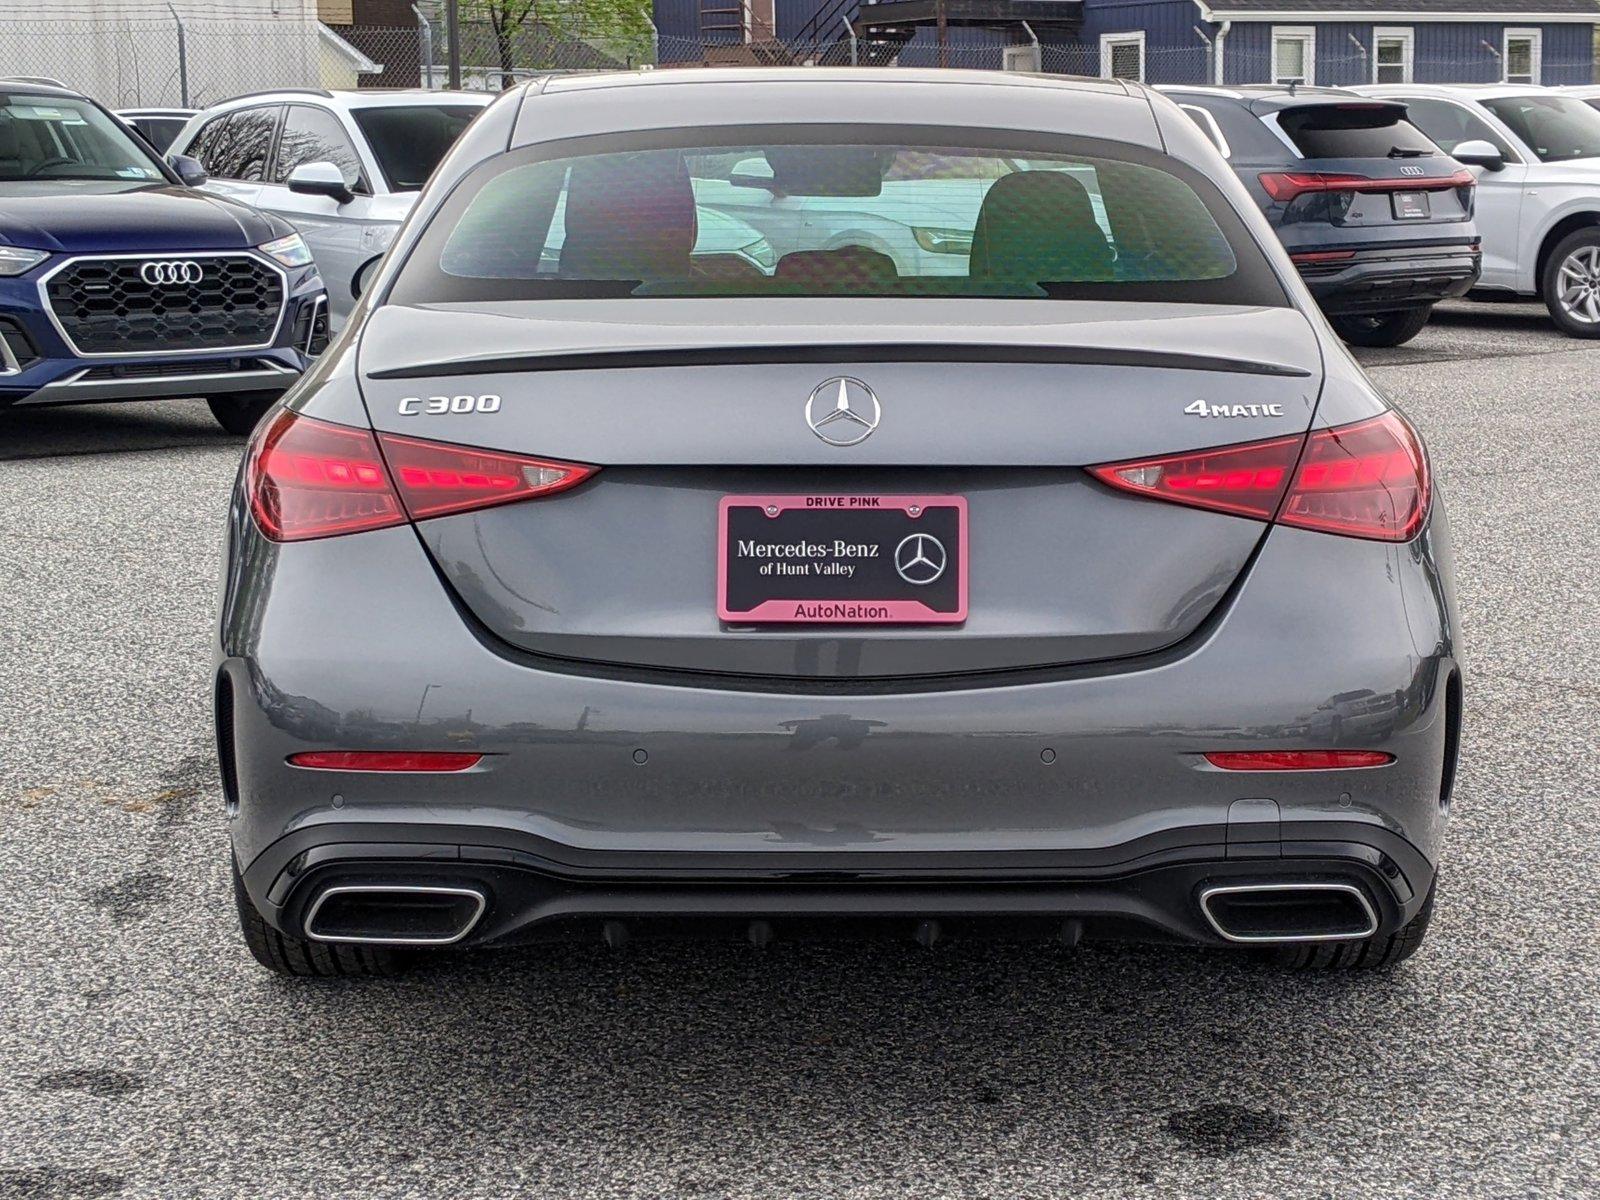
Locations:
{"points": [[682, 408]]}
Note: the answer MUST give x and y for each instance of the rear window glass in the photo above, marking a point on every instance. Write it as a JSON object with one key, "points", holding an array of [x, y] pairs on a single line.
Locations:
{"points": [[409, 140], [902, 218], [1343, 132]]}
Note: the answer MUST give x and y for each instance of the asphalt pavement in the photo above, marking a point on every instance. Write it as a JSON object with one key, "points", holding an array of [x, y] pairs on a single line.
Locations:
{"points": [[142, 1053]]}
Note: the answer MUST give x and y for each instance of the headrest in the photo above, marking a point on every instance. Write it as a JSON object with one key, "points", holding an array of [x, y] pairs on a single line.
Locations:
{"points": [[1039, 227], [850, 268], [10, 145], [629, 217]]}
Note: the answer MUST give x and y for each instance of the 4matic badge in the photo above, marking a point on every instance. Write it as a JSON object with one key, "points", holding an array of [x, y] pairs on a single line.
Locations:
{"points": [[1201, 408]]}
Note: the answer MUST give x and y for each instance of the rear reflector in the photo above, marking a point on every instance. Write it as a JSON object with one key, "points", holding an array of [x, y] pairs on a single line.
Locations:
{"points": [[1366, 480], [1297, 760], [385, 760], [1286, 185], [310, 479], [1318, 256]]}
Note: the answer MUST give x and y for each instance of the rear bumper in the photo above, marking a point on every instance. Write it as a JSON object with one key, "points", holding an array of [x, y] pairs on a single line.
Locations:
{"points": [[1058, 793], [1148, 890], [1382, 280]]}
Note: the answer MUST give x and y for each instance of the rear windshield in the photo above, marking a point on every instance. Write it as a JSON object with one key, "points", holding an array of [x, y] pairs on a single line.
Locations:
{"points": [[57, 137], [409, 140], [756, 217], [1340, 131], [1556, 128]]}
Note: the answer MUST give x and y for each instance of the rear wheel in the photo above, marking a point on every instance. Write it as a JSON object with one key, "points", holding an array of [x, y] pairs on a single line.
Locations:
{"points": [[296, 957], [240, 412], [1370, 954], [1571, 284], [1382, 329]]}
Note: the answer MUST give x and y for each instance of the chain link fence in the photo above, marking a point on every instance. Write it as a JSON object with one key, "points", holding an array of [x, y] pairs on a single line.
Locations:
{"points": [[153, 62]]}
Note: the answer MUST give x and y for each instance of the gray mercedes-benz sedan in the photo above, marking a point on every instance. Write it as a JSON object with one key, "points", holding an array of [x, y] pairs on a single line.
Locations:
{"points": [[1034, 562]]}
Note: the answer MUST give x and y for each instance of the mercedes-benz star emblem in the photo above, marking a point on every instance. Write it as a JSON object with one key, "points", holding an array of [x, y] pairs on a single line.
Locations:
{"points": [[842, 411], [919, 558], [168, 272]]}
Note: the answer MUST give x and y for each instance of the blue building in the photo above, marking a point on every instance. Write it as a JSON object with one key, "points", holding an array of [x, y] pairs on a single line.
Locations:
{"points": [[1324, 42]]}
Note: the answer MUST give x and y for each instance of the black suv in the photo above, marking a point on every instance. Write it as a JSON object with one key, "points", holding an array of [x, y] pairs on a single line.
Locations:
{"points": [[1377, 218]]}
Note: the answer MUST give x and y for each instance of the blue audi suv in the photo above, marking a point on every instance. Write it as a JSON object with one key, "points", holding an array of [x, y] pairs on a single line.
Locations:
{"points": [[119, 280]]}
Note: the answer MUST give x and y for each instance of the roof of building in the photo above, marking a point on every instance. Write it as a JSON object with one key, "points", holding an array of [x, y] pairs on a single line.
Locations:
{"points": [[585, 81], [1459, 91]]}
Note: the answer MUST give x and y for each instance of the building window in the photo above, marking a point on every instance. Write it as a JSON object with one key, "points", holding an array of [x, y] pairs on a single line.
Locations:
{"points": [[1524, 50], [1391, 55], [1294, 54], [1122, 56]]}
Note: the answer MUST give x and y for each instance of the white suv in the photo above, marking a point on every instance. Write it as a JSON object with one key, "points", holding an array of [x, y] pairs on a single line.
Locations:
{"points": [[343, 167], [1536, 153]]}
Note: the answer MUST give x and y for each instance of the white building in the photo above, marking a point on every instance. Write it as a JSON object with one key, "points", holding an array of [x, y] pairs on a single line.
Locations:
{"points": [[144, 52]]}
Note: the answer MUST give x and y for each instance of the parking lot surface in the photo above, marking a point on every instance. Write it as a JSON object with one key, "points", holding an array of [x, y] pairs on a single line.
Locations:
{"points": [[142, 1053]]}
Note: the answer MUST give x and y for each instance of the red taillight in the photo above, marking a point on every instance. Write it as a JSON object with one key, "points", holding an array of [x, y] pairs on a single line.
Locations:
{"points": [[1297, 760], [1367, 480], [435, 478], [385, 760], [1286, 185], [1248, 480], [309, 479]]}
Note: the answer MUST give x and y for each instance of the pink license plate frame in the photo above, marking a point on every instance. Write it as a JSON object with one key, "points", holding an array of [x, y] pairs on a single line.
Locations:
{"points": [[897, 611]]}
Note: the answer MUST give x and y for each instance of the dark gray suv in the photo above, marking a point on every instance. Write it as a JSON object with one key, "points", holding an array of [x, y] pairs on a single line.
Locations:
{"points": [[1376, 217]]}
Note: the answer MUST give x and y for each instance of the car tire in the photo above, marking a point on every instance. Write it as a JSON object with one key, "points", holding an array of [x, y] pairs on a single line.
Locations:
{"points": [[1382, 329], [286, 955], [241, 412], [1579, 252], [1370, 954]]}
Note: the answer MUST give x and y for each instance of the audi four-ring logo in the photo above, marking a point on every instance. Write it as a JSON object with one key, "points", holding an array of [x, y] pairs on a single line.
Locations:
{"points": [[171, 271]]}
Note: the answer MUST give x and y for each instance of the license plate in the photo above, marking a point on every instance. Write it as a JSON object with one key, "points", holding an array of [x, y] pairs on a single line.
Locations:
{"points": [[1410, 206], [842, 560]]}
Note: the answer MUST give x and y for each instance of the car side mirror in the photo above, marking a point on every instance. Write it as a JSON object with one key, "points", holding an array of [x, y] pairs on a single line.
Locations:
{"points": [[1479, 153], [190, 170], [320, 179], [362, 279]]}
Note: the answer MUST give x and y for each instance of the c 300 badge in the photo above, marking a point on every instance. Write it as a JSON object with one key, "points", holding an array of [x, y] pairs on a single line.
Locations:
{"points": [[1201, 408]]}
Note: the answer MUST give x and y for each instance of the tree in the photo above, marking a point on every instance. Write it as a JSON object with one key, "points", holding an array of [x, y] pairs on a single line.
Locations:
{"points": [[560, 34]]}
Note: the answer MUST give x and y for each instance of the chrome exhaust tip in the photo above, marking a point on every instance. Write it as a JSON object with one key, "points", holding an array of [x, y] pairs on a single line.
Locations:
{"points": [[1289, 912], [393, 914]]}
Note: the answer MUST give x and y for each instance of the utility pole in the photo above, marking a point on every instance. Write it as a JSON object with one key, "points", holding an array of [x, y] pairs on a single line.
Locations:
{"points": [[944, 33], [452, 30]]}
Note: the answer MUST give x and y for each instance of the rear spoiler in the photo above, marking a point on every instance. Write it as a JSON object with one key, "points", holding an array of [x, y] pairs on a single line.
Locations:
{"points": [[849, 352], [1356, 114]]}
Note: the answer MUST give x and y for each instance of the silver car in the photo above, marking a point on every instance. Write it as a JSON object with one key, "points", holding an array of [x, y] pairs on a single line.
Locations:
{"points": [[591, 587], [343, 167]]}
